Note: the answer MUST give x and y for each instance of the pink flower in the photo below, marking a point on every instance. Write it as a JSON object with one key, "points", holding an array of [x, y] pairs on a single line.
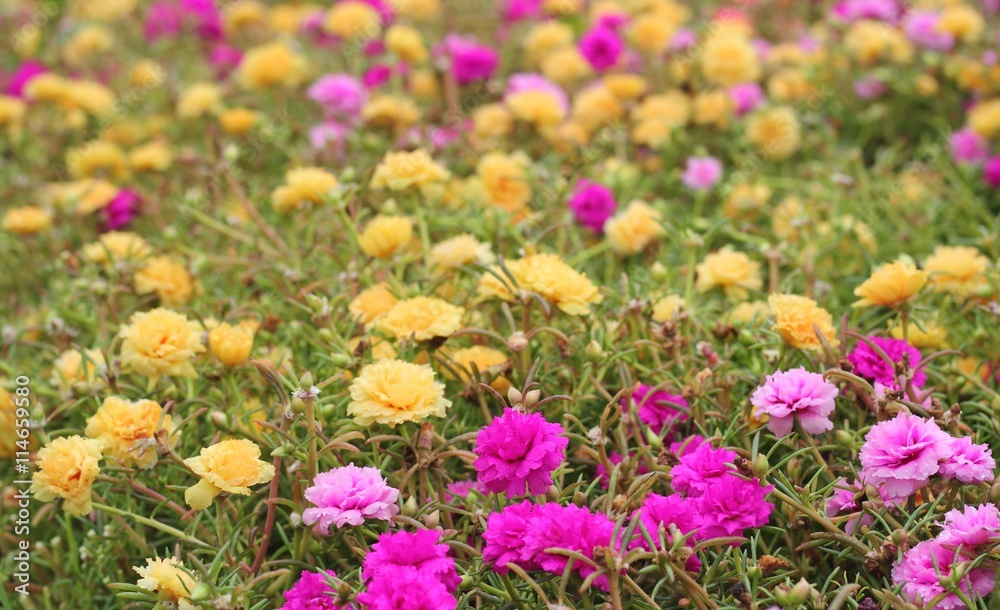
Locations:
{"points": [[902, 454], [869, 364], [730, 506], [418, 550], [687, 445], [848, 500], [855, 10], [969, 463], [340, 95], [592, 204], [868, 88], [517, 451], [568, 527], [657, 514], [602, 47], [122, 209], [506, 538], [470, 60], [529, 81], [796, 394], [918, 573], [991, 172], [462, 489], [683, 39], [968, 147], [658, 409], [516, 10], [348, 496], [701, 173], [972, 527], [922, 28], [24, 74], [409, 589], [746, 97], [327, 134], [225, 59], [700, 469], [313, 591]]}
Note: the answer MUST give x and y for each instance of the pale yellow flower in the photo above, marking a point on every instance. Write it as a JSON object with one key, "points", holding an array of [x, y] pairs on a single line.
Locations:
{"points": [[890, 285], [549, 277], [71, 367], [169, 579], [732, 271], [27, 220], [634, 229], [458, 251], [372, 303], [160, 342], [422, 318], [668, 307], [393, 392], [304, 185], [384, 236], [231, 344], [117, 246], [230, 466], [126, 430], [67, 468], [399, 171], [167, 278]]}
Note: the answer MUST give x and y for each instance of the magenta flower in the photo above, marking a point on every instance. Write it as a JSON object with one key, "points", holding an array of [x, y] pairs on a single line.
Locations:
{"points": [[657, 514], [973, 527], [376, 76], [902, 454], [506, 538], [700, 469], [407, 588], [848, 500], [687, 445], [922, 28], [870, 365], [702, 173], [349, 496], [796, 394], [418, 550], [162, 20], [919, 569], [225, 59], [24, 74], [730, 506], [991, 172], [968, 147], [470, 60], [602, 47], [659, 409], [204, 16], [869, 88], [568, 527], [746, 97], [516, 10], [462, 489], [312, 592], [121, 210], [855, 10], [969, 463], [167, 18], [592, 204], [684, 38], [517, 451], [340, 95]]}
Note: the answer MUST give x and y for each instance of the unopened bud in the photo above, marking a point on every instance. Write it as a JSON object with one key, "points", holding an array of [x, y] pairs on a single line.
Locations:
{"points": [[432, 520], [517, 342], [579, 498], [201, 592], [326, 334], [219, 419], [594, 352], [899, 537], [514, 396], [298, 405], [658, 272], [995, 493], [306, 381], [410, 507], [760, 466], [653, 439], [531, 398], [845, 439], [341, 360]]}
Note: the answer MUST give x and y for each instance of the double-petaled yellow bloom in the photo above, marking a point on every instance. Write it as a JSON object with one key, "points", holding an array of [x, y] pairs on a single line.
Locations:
{"points": [[890, 285]]}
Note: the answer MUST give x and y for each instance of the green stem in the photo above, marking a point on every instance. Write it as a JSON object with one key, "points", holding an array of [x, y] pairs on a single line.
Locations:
{"points": [[166, 529]]}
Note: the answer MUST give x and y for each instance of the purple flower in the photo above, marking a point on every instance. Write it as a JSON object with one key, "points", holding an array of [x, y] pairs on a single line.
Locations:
{"points": [[868, 88], [972, 527], [568, 527], [506, 538], [470, 61], [968, 147], [121, 210], [311, 592], [870, 365], [730, 506], [922, 28], [702, 173], [22, 76], [225, 59], [348, 496], [991, 172], [592, 204], [417, 550], [746, 97], [658, 409], [918, 573], [969, 463], [407, 588], [517, 451], [602, 47], [657, 514], [340, 95], [700, 469], [796, 394], [902, 454]]}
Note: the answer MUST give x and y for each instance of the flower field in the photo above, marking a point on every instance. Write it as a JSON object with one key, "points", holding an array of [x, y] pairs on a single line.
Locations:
{"points": [[499, 304]]}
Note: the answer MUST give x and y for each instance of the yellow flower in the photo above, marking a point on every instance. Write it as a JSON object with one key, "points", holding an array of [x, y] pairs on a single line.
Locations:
{"points": [[566, 66], [544, 38], [484, 358], [666, 308], [48, 88], [71, 368], [596, 107], [12, 110], [168, 578], [651, 33], [491, 121], [199, 99], [108, 10], [458, 251], [146, 74], [749, 312], [126, 430], [390, 111], [626, 86], [303, 184], [399, 171], [393, 392], [82, 196], [160, 342], [729, 60], [372, 303], [117, 246], [231, 345], [67, 468], [418, 10], [230, 466], [549, 277], [352, 20], [635, 229], [535, 106], [870, 41], [86, 42], [151, 157], [384, 236], [732, 271], [238, 121], [984, 118], [746, 200], [962, 21], [959, 270], [713, 107], [244, 15], [379, 347], [422, 318], [406, 43], [926, 335], [890, 285], [797, 319], [423, 84], [169, 279], [27, 220], [93, 97], [10, 441], [776, 132], [270, 65], [505, 179]]}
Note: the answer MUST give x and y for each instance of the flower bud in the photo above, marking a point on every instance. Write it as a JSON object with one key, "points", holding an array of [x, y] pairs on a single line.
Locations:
{"points": [[341, 360], [653, 439], [326, 334], [531, 398], [514, 396], [219, 419], [432, 520], [410, 507], [845, 439], [995, 492], [517, 342], [306, 381], [201, 592], [760, 466], [298, 405], [594, 352], [658, 272], [899, 537]]}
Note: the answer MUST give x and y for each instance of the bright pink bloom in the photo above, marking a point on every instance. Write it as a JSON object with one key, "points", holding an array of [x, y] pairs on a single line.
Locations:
{"points": [[922, 28], [24, 74], [702, 173], [529, 81], [376, 76], [969, 463], [516, 10], [506, 538], [746, 97], [592, 204], [856, 10], [796, 394], [657, 514], [340, 95], [902, 454], [870, 365], [683, 39], [660, 410], [313, 591], [968, 147], [225, 59], [407, 588], [972, 527], [568, 527], [730, 506], [991, 172], [848, 500], [700, 469], [869, 88], [329, 134], [349, 496], [418, 550], [602, 47], [918, 573], [122, 209], [470, 60], [518, 451], [462, 489], [687, 445]]}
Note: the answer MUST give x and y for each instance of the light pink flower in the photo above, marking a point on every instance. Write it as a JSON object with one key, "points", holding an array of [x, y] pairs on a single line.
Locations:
{"points": [[796, 394], [348, 496], [702, 173], [902, 454]]}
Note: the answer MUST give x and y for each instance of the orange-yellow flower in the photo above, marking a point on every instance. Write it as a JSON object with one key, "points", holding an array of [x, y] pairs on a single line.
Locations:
{"points": [[67, 468], [890, 285], [798, 319], [166, 277], [372, 303], [959, 270], [732, 271], [231, 344], [422, 318], [160, 342], [126, 430], [383, 236], [548, 276], [231, 466]]}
